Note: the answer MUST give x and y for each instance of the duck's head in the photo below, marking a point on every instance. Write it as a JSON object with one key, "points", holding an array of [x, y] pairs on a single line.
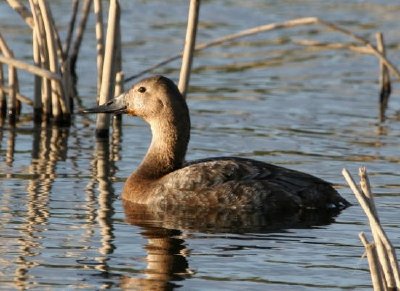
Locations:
{"points": [[150, 98]]}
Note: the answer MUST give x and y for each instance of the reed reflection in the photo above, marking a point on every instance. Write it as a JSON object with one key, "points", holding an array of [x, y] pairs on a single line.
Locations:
{"points": [[49, 146], [103, 170]]}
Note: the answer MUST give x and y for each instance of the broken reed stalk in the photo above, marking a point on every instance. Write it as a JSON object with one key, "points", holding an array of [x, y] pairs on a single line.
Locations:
{"points": [[188, 49], [386, 253], [98, 11], [384, 79], [380, 248], [274, 26], [108, 73], [373, 262]]}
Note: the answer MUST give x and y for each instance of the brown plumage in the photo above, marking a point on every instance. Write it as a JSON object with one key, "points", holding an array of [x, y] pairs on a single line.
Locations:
{"points": [[164, 178]]}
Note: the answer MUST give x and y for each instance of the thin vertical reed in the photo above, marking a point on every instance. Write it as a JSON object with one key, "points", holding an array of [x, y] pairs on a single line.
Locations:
{"points": [[44, 59], [373, 262], [12, 79], [22, 11], [188, 50], [71, 26], [37, 100], [12, 95], [79, 33], [384, 78], [53, 63], [3, 100], [98, 10], [108, 75], [57, 41]]}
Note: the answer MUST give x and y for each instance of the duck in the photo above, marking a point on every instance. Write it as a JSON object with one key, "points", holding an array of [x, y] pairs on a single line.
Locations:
{"points": [[165, 179]]}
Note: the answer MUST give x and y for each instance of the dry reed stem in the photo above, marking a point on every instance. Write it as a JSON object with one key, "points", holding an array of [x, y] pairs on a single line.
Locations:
{"points": [[37, 97], [275, 26], [98, 11], [384, 79], [108, 74], [29, 68], [80, 30], [188, 49], [334, 46], [375, 226], [71, 25], [3, 101], [44, 59], [58, 44], [22, 11], [52, 59], [376, 275], [380, 248], [19, 96], [12, 79], [58, 102]]}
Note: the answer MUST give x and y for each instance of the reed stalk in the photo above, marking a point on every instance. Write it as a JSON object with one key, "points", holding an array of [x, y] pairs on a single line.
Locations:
{"points": [[188, 50], [108, 74], [384, 78], [29, 68], [20, 97], [98, 11], [373, 262], [388, 263], [79, 34], [37, 97], [44, 59], [71, 25], [22, 11], [3, 100], [56, 90], [12, 81]]}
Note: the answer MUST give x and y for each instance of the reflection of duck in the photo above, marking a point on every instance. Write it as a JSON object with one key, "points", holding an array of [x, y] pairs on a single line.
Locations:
{"points": [[166, 261], [164, 179]]}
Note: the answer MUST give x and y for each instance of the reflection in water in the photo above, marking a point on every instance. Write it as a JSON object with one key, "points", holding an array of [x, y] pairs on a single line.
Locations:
{"points": [[49, 146], [166, 261], [101, 172], [166, 253]]}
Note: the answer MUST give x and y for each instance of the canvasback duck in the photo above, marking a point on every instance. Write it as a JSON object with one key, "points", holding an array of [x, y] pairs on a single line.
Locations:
{"points": [[165, 179]]}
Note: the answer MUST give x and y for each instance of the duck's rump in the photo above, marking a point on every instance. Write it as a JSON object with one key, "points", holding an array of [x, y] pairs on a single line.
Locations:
{"points": [[232, 182]]}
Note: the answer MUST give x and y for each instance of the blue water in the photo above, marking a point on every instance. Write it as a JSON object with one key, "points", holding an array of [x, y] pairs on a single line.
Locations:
{"points": [[63, 226]]}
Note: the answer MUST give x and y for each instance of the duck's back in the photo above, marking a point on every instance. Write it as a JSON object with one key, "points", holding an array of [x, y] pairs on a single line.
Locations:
{"points": [[232, 182]]}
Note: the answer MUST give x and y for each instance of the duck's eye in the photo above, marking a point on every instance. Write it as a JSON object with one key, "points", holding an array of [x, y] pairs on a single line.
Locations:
{"points": [[141, 89]]}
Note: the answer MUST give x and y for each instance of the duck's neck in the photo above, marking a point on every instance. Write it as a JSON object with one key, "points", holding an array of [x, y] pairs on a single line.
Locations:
{"points": [[170, 137]]}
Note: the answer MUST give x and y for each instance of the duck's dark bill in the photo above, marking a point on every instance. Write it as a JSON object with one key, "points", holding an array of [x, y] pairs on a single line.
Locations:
{"points": [[116, 106]]}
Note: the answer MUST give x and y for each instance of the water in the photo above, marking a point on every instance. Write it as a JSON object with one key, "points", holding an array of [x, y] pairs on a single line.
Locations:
{"points": [[63, 225]]}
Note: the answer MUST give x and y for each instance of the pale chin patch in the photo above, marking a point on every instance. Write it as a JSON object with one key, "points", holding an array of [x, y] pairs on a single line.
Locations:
{"points": [[138, 103]]}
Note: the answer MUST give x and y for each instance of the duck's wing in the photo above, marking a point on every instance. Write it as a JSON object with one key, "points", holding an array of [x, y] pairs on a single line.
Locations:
{"points": [[237, 180]]}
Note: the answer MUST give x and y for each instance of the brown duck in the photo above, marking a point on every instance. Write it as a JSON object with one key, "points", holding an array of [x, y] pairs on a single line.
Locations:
{"points": [[165, 179]]}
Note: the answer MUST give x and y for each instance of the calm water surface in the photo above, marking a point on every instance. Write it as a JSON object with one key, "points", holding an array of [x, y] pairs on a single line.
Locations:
{"points": [[63, 226]]}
